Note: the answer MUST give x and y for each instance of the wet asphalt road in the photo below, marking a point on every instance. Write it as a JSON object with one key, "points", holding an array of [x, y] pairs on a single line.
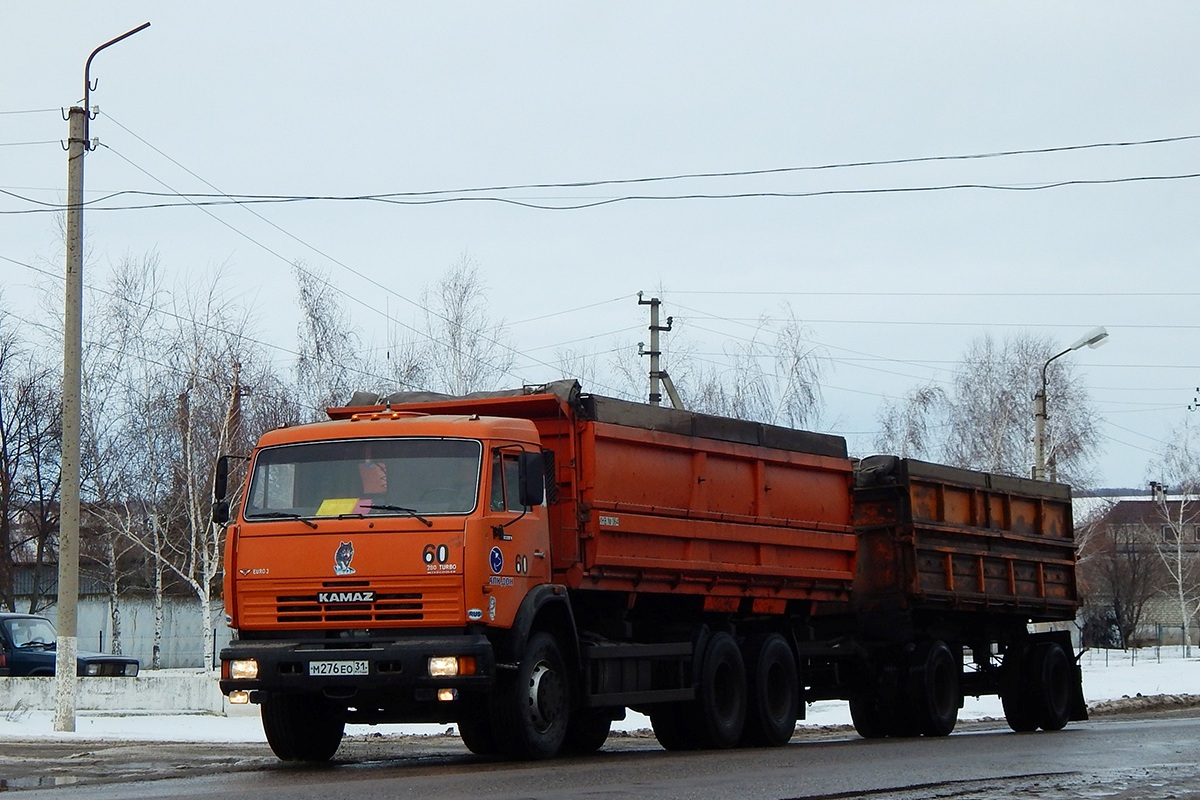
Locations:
{"points": [[1113, 757]]}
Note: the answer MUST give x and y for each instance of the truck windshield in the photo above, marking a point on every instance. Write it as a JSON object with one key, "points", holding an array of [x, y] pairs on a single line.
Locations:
{"points": [[361, 477]]}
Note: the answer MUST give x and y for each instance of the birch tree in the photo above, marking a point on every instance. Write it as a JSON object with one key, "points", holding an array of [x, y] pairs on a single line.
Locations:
{"points": [[1177, 497], [984, 418], [467, 346], [773, 377]]}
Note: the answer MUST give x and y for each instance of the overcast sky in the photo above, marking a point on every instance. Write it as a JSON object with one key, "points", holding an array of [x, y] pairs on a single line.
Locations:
{"points": [[297, 98]]}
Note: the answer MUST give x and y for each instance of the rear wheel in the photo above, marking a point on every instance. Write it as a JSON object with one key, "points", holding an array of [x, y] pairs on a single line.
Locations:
{"points": [[671, 729], [774, 692], [1048, 678], [934, 695], [718, 713], [870, 719], [301, 727], [530, 710], [587, 731], [1014, 691]]}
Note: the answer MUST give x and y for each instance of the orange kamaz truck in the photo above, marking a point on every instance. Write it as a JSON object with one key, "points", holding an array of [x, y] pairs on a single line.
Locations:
{"points": [[528, 565]]}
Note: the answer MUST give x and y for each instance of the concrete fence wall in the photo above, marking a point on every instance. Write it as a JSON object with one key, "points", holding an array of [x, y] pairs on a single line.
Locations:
{"points": [[174, 691], [183, 629]]}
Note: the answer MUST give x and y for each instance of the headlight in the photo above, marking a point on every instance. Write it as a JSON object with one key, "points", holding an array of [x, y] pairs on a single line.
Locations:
{"points": [[92, 669], [243, 669], [443, 666], [131, 670], [451, 666]]}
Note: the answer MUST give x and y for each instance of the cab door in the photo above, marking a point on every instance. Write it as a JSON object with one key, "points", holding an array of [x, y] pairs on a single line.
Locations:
{"points": [[519, 557]]}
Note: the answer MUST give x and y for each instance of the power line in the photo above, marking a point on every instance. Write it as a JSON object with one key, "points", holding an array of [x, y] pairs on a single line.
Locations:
{"points": [[333, 260], [247, 200]]}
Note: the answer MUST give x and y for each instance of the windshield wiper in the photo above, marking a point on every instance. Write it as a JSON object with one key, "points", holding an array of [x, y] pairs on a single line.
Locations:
{"points": [[412, 512], [282, 515], [39, 643]]}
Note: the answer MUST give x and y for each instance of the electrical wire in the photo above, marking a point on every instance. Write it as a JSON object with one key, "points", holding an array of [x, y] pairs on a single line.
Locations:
{"points": [[339, 263], [244, 200]]}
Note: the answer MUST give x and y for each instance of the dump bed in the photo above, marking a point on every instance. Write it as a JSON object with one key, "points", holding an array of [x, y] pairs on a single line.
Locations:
{"points": [[649, 499], [933, 537]]}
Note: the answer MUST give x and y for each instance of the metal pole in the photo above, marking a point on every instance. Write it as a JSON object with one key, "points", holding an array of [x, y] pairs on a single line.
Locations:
{"points": [[67, 616]]}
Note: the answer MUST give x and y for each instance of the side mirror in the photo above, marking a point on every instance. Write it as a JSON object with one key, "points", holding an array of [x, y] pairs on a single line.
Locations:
{"points": [[220, 505], [532, 477]]}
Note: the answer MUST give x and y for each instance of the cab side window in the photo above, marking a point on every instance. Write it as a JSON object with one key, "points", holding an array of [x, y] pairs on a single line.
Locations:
{"points": [[506, 486]]}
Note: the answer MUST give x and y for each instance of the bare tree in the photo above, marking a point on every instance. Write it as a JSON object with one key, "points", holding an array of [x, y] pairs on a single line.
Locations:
{"points": [[330, 362], [773, 377], [1180, 515], [468, 349], [122, 330], [1119, 573], [985, 420], [30, 437]]}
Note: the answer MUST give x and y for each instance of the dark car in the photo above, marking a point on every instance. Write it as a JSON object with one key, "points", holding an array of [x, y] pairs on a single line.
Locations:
{"points": [[27, 648]]}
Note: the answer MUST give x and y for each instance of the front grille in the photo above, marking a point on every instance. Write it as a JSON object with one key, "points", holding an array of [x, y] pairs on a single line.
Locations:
{"points": [[422, 601], [386, 608]]}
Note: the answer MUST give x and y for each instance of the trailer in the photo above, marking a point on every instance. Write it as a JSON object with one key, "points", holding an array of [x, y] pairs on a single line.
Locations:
{"points": [[528, 565]]}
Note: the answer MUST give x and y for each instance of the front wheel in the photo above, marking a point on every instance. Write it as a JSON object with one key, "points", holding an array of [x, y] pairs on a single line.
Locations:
{"points": [[530, 710], [302, 727]]}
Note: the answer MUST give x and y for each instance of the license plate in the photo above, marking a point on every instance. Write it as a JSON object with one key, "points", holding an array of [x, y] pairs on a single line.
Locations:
{"points": [[338, 668]]}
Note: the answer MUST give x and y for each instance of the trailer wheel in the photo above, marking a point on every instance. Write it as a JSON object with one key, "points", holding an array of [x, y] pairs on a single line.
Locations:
{"points": [[718, 714], [479, 737], [934, 689], [301, 727], [531, 710], [1014, 690], [774, 692], [587, 731], [1048, 681]]}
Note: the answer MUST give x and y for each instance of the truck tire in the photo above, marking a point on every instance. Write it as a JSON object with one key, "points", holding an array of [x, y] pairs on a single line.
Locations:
{"points": [[1014, 691], [478, 736], [301, 727], [774, 692], [530, 710], [671, 727], [934, 695], [1048, 682], [870, 719], [718, 714], [587, 731]]}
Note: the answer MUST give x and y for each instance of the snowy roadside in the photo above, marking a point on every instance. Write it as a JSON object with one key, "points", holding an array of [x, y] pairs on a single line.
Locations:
{"points": [[1107, 676]]}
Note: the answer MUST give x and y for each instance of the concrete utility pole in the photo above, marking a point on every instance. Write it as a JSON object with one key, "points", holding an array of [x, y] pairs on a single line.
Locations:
{"points": [[67, 615], [657, 374]]}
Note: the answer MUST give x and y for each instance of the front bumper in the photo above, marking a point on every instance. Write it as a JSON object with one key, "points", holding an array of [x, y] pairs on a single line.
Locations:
{"points": [[395, 666]]}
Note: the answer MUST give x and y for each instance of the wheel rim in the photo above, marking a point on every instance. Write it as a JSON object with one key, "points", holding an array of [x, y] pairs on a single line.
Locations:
{"points": [[546, 697]]}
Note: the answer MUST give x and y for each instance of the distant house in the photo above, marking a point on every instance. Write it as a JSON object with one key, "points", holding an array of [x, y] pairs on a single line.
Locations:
{"points": [[1144, 527]]}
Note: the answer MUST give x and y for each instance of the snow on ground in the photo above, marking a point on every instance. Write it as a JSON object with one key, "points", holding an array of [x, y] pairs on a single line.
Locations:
{"points": [[1107, 675]]}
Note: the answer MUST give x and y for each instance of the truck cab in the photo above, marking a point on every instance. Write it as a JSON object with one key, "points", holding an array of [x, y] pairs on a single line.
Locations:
{"points": [[376, 561]]}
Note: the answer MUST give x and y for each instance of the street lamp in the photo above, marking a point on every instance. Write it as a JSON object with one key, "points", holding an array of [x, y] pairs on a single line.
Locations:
{"points": [[1093, 338]]}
